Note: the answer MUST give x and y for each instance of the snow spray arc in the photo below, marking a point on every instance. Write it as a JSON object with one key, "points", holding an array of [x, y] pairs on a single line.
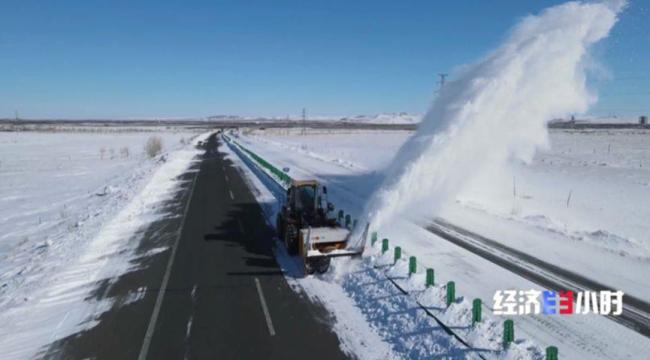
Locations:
{"points": [[496, 109]]}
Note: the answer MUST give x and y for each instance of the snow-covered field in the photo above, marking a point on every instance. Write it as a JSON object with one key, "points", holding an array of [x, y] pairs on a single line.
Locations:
{"points": [[386, 118], [601, 233], [70, 208], [581, 205]]}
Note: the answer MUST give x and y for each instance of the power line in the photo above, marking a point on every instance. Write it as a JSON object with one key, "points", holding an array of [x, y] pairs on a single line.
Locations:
{"points": [[441, 82]]}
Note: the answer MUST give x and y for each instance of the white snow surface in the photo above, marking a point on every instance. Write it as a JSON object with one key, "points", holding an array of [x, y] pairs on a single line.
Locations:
{"points": [[70, 219], [386, 118], [595, 229]]}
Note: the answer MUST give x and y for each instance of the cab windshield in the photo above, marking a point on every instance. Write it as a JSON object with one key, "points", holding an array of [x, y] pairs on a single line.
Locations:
{"points": [[305, 197]]}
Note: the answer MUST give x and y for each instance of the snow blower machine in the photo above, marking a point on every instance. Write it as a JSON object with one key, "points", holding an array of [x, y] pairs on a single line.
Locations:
{"points": [[307, 229]]}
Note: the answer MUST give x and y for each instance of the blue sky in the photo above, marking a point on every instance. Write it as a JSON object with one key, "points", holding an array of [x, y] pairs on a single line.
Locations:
{"points": [[120, 59]]}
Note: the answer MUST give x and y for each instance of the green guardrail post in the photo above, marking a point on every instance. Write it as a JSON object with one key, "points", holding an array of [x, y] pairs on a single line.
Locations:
{"points": [[508, 332], [476, 311], [430, 277], [384, 246], [413, 265], [398, 253], [348, 219], [551, 353], [451, 292], [373, 238]]}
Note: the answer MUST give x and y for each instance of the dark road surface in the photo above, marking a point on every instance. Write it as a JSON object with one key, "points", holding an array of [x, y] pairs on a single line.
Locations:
{"points": [[217, 294]]}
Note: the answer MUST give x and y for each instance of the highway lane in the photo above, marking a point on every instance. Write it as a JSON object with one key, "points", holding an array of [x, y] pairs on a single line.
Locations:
{"points": [[217, 293], [636, 312]]}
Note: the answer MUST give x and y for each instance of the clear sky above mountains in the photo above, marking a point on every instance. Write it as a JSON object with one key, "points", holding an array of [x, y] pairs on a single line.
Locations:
{"points": [[99, 59]]}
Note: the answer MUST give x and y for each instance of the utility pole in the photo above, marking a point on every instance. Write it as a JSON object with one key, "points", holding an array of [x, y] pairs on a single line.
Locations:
{"points": [[304, 121], [441, 82]]}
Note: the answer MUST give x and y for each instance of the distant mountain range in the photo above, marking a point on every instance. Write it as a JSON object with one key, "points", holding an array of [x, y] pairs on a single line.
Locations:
{"points": [[386, 118], [382, 118], [600, 120]]}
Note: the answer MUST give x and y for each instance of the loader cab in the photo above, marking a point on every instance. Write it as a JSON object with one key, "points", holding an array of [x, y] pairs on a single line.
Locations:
{"points": [[304, 203], [305, 228], [301, 200]]}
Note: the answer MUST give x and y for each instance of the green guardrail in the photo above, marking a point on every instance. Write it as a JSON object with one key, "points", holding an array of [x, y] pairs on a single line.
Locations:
{"points": [[284, 179], [477, 304]]}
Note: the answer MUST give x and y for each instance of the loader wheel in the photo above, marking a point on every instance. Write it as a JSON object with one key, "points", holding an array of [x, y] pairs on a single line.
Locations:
{"points": [[322, 265], [291, 239], [279, 227]]}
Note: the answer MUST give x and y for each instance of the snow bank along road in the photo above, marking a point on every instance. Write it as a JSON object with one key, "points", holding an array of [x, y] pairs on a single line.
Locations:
{"points": [[216, 293]]}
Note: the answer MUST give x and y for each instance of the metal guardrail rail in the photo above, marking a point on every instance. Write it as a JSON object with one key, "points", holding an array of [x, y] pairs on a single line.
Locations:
{"points": [[636, 312], [282, 177]]}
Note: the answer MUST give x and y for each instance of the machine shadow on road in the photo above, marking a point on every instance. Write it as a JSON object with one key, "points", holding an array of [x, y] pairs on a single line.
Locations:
{"points": [[241, 230]]}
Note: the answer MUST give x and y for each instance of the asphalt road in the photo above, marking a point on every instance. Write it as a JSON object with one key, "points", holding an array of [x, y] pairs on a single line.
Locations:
{"points": [[217, 293]]}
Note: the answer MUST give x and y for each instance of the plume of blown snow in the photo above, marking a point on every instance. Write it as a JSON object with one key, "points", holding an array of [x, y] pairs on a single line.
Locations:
{"points": [[496, 109]]}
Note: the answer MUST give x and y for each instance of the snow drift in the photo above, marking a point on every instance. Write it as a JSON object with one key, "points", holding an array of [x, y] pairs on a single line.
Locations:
{"points": [[496, 109]]}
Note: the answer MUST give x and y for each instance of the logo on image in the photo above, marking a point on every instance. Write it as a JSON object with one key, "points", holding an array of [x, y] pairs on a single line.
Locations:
{"points": [[563, 302]]}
